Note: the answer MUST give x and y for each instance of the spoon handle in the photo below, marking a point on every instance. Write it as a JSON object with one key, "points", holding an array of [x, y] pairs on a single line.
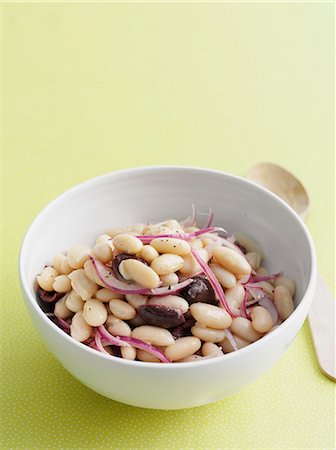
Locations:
{"points": [[321, 320]]}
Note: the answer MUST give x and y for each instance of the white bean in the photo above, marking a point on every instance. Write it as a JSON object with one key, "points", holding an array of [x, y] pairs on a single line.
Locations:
{"points": [[226, 278], [262, 272], [61, 310], [232, 261], [167, 263], [171, 245], [77, 255], [105, 295], [175, 226], [61, 264], [207, 334], [182, 348], [74, 302], [211, 316], [136, 300], [191, 229], [118, 327], [92, 274], [138, 228], [153, 335], [191, 266], [153, 230], [79, 328], [243, 328], [197, 244], [211, 349], [191, 358], [254, 259], [283, 302], [169, 279], [80, 283], [148, 253], [129, 353], [287, 282], [104, 238], [144, 356], [235, 296], [131, 269], [62, 283], [94, 312], [249, 244], [261, 319], [267, 287], [46, 278], [227, 347], [119, 230], [122, 310], [171, 301], [103, 252], [126, 243]]}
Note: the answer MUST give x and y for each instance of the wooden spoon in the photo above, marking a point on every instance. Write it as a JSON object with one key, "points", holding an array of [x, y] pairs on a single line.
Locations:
{"points": [[321, 317]]}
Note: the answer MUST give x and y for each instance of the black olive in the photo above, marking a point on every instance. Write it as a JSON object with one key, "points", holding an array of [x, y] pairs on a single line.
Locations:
{"points": [[161, 316], [118, 259], [46, 300], [49, 297], [184, 329], [200, 290]]}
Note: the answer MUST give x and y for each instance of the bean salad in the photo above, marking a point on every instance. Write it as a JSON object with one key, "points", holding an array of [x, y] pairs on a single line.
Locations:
{"points": [[166, 292]]}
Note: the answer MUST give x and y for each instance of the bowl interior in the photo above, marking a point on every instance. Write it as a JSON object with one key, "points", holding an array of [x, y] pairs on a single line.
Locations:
{"points": [[154, 194]]}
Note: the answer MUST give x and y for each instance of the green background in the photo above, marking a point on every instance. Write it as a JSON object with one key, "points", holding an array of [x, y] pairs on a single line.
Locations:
{"points": [[90, 88]]}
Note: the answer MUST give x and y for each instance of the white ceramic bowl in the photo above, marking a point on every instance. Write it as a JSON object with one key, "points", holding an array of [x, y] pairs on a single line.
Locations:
{"points": [[154, 194]]}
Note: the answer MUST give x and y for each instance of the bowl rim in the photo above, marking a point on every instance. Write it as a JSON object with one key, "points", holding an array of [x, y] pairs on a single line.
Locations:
{"points": [[31, 299]]}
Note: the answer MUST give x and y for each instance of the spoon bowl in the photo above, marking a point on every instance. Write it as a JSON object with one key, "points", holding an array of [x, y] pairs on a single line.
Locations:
{"points": [[283, 184]]}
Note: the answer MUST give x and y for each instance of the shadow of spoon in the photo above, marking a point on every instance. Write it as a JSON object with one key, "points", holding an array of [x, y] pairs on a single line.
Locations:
{"points": [[321, 317]]}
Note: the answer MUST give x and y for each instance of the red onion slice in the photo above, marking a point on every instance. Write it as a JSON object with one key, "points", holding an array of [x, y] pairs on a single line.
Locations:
{"points": [[145, 346], [210, 218], [272, 276], [189, 221], [267, 303], [98, 343], [243, 310], [231, 339], [113, 340], [127, 341], [167, 290], [213, 280]]}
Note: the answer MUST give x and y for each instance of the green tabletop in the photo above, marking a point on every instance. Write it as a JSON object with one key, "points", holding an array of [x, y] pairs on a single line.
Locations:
{"points": [[90, 88]]}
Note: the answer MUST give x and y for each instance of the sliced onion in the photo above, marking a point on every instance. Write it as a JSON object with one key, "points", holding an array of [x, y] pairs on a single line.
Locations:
{"points": [[189, 221], [210, 218], [98, 343], [113, 340], [126, 341], [273, 276], [167, 290], [243, 310], [227, 243], [213, 281], [145, 346], [231, 339], [267, 303]]}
